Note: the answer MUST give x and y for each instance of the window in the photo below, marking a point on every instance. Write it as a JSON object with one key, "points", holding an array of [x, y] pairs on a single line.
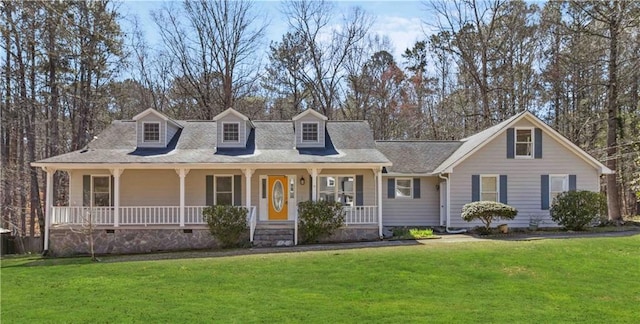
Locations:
{"points": [[309, 132], [100, 191], [404, 188], [224, 190], [151, 132], [489, 189], [230, 132], [557, 185], [524, 142], [343, 189]]}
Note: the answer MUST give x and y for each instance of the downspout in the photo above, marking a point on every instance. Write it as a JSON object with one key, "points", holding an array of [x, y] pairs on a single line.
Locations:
{"points": [[447, 209]]}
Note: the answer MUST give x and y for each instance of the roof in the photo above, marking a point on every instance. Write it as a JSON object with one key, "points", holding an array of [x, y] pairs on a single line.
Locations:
{"points": [[416, 157], [475, 142], [270, 142], [230, 111], [157, 113]]}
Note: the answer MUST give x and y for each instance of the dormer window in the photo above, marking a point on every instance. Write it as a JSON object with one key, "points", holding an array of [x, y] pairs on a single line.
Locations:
{"points": [[230, 132], [151, 132], [524, 142], [309, 132]]}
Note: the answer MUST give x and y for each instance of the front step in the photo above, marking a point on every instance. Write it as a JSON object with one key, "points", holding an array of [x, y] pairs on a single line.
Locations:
{"points": [[268, 236]]}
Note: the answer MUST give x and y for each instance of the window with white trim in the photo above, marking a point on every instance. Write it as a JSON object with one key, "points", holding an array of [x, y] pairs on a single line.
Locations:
{"points": [[230, 132], [223, 190], [309, 132], [151, 132], [404, 188], [558, 184], [100, 191], [524, 142], [343, 189], [489, 188]]}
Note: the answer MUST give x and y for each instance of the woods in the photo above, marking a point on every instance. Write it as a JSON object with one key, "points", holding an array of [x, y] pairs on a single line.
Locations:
{"points": [[70, 68]]}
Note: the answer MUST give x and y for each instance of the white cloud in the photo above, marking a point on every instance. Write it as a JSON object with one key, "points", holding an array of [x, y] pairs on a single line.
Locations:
{"points": [[402, 31]]}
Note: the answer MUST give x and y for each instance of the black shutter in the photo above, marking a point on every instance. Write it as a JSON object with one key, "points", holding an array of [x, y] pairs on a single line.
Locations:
{"points": [[86, 190], [209, 190], [113, 183], [503, 188], [416, 188], [311, 188], [544, 192], [572, 182], [510, 143], [391, 188], [237, 190], [537, 142], [359, 190], [475, 187]]}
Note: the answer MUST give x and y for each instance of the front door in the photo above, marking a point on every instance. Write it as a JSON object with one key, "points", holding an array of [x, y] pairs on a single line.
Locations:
{"points": [[277, 198]]}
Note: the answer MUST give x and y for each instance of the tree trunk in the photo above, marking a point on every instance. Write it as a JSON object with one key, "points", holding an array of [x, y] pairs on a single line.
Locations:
{"points": [[613, 193]]}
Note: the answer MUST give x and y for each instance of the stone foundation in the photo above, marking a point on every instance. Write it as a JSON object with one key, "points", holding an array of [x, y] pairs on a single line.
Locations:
{"points": [[352, 234], [65, 242]]}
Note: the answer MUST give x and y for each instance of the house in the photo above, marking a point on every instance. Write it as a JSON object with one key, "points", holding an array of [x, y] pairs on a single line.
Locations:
{"points": [[144, 182]]}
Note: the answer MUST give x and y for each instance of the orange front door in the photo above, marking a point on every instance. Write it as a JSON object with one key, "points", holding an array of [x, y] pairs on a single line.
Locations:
{"points": [[277, 198]]}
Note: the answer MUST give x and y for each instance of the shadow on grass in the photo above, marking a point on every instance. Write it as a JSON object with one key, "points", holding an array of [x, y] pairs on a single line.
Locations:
{"points": [[542, 235]]}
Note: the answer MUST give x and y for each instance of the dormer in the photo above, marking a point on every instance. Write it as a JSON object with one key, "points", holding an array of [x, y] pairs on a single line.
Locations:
{"points": [[310, 128], [154, 129], [233, 129]]}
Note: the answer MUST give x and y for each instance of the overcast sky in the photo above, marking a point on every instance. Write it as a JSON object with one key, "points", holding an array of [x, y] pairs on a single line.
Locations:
{"points": [[401, 21]]}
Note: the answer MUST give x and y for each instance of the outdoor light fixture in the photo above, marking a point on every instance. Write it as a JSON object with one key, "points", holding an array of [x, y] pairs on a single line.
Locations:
{"points": [[302, 181]]}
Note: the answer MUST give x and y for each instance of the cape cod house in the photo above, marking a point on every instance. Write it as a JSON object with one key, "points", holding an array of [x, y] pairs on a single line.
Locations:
{"points": [[144, 182]]}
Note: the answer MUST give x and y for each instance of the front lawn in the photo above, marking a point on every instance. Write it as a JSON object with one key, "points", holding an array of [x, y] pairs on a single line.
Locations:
{"points": [[577, 280]]}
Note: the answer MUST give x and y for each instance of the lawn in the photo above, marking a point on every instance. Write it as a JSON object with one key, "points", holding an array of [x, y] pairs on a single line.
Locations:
{"points": [[548, 281]]}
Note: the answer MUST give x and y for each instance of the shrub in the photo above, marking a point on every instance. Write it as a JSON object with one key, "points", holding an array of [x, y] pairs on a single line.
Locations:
{"points": [[319, 218], [576, 209], [487, 211], [226, 223]]}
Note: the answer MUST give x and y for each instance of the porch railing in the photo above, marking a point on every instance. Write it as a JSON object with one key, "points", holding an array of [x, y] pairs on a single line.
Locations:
{"points": [[361, 215], [151, 215], [82, 215]]}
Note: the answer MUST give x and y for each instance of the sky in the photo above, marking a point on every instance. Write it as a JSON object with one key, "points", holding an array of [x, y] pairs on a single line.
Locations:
{"points": [[401, 21]]}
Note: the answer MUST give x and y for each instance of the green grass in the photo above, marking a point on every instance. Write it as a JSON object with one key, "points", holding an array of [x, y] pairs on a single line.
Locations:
{"points": [[550, 281], [412, 234]]}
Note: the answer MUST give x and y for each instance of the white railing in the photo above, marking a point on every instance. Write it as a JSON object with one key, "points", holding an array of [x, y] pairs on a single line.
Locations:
{"points": [[150, 215], [361, 215], [253, 222], [82, 215], [193, 215]]}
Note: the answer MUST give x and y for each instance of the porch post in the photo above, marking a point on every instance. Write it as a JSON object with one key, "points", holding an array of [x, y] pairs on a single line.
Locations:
{"points": [[116, 195], [49, 203], [314, 183], [182, 173], [247, 184], [379, 199]]}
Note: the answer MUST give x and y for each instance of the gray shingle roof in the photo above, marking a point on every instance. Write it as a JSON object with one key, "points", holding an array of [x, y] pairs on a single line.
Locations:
{"points": [[416, 157], [348, 142]]}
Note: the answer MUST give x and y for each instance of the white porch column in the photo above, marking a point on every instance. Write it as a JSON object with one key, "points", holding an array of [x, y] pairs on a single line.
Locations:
{"points": [[247, 184], [48, 205], [314, 183], [182, 173], [379, 199], [116, 195]]}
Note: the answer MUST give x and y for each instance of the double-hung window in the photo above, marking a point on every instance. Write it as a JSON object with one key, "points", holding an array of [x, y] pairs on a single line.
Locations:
{"points": [[557, 185], [224, 190], [524, 142], [151, 132], [309, 132], [337, 188], [489, 188], [404, 188], [230, 132], [100, 191]]}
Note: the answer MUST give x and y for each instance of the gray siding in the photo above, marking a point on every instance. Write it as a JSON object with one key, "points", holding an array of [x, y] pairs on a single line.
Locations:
{"points": [[140, 131], [171, 131], [242, 131], [321, 131], [523, 177], [424, 211]]}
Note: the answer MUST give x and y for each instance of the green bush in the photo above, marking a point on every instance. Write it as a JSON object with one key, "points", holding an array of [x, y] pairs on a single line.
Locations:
{"points": [[576, 209], [487, 211], [226, 223], [319, 218]]}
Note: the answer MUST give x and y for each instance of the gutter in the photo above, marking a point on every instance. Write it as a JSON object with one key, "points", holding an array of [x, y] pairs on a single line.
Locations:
{"points": [[448, 208]]}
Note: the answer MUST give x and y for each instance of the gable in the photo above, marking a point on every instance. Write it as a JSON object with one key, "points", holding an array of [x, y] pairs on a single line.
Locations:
{"points": [[307, 123]]}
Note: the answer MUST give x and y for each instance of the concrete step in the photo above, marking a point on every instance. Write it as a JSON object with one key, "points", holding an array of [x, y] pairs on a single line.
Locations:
{"points": [[267, 237]]}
